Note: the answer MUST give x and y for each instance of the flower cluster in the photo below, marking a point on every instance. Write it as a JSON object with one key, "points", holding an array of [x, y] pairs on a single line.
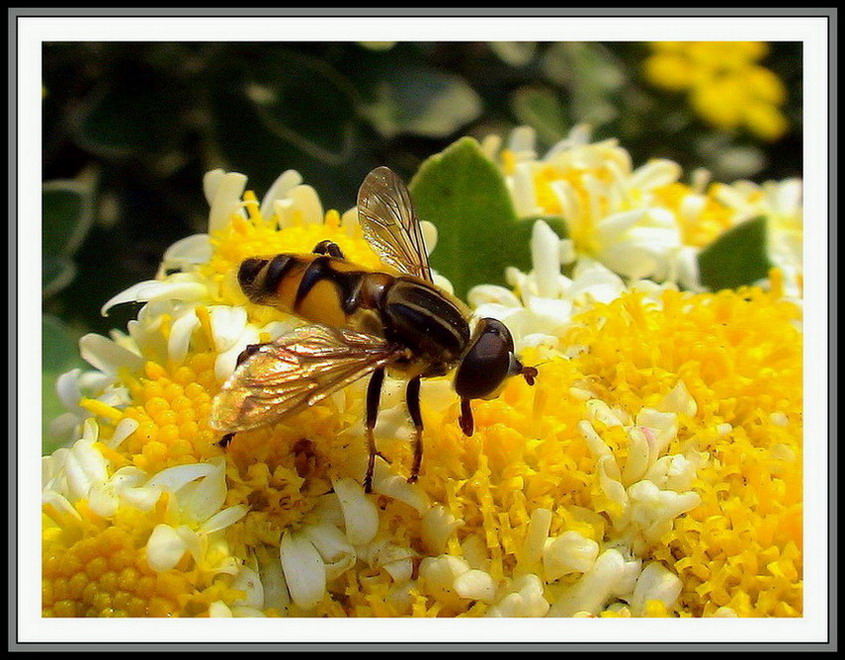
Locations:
{"points": [[728, 88], [653, 470], [643, 222]]}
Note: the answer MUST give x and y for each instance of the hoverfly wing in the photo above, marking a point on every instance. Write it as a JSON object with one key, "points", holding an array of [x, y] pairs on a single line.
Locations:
{"points": [[390, 225], [297, 370]]}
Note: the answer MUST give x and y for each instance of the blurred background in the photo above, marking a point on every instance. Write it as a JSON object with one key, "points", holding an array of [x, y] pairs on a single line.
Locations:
{"points": [[129, 129]]}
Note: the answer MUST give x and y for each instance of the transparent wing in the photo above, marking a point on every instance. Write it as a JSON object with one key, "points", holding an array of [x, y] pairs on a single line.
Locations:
{"points": [[390, 226], [298, 370]]}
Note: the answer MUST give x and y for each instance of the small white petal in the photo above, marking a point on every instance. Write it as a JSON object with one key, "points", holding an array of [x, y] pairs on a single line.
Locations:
{"points": [[429, 231], [223, 519], [227, 361], [227, 199], [202, 498], [523, 192], [439, 574], [304, 570], [286, 181], [105, 355], [273, 580], [397, 487], [475, 585], [67, 387], [103, 501], [165, 548], [360, 513], [680, 401], [174, 478], [545, 256], [594, 589], [187, 252], [180, 336], [227, 325], [210, 182], [401, 570], [568, 553], [248, 581], [535, 538], [522, 140], [218, 609], [57, 501], [438, 524], [490, 293], [656, 173], [125, 427], [656, 582]]}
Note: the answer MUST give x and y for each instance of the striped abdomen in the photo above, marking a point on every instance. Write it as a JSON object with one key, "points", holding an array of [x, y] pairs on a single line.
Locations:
{"points": [[340, 294]]}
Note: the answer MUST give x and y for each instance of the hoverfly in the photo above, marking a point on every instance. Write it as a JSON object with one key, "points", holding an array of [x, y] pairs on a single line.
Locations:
{"points": [[363, 322]]}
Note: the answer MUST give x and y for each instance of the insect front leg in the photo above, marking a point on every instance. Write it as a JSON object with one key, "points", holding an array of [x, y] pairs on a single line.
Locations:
{"points": [[465, 420], [328, 247], [412, 396], [373, 398]]}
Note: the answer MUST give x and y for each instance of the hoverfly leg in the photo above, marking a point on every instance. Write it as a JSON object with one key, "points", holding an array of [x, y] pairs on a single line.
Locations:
{"points": [[465, 420], [328, 247], [413, 400], [373, 397]]}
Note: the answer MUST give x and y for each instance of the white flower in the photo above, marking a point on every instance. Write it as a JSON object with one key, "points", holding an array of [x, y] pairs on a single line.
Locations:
{"points": [[656, 582], [611, 576], [524, 598], [568, 553]]}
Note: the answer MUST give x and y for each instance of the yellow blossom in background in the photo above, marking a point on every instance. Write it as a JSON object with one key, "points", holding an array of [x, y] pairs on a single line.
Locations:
{"points": [[728, 87], [653, 470]]}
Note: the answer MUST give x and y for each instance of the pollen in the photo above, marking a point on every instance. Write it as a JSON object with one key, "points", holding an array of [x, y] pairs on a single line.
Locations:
{"points": [[105, 574], [171, 407]]}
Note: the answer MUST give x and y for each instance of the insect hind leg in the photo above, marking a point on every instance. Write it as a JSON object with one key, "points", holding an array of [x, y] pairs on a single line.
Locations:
{"points": [[412, 397], [328, 247], [373, 397]]}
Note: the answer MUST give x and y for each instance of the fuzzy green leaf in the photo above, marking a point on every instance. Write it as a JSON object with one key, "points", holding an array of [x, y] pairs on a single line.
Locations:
{"points": [[540, 108], [737, 257], [67, 215], [421, 101], [464, 194]]}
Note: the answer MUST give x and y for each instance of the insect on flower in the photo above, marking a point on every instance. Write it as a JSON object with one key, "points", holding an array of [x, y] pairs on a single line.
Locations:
{"points": [[363, 322]]}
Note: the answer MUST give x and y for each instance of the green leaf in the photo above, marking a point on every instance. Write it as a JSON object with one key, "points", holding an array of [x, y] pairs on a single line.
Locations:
{"points": [[464, 194], [418, 100], [737, 257], [132, 116], [57, 271], [67, 215], [540, 108], [305, 102]]}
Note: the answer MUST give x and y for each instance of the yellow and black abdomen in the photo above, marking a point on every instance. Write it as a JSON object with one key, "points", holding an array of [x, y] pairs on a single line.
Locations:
{"points": [[317, 288]]}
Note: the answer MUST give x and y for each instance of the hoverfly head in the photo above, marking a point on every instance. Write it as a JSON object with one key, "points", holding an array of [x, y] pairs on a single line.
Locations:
{"points": [[489, 362]]}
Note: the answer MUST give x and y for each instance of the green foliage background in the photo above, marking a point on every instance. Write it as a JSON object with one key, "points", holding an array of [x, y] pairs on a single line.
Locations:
{"points": [[129, 130]]}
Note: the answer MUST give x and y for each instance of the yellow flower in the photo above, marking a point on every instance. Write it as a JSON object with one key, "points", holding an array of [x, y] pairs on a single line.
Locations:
{"points": [[653, 470], [728, 88]]}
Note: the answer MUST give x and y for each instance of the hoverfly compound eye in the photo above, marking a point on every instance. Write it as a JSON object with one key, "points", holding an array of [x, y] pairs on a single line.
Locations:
{"points": [[487, 363]]}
